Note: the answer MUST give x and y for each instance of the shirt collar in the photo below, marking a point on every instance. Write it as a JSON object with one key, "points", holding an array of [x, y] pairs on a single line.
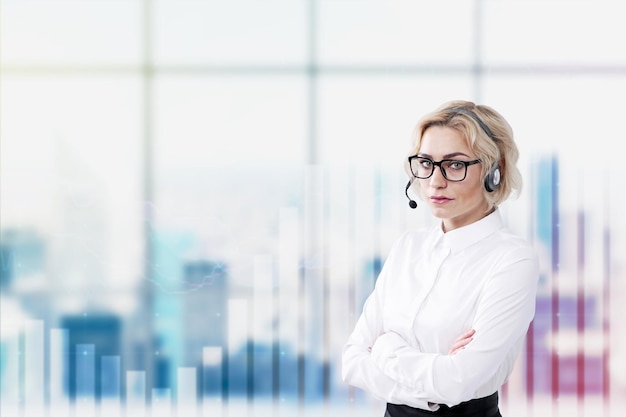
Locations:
{"points": [[461, 238]]}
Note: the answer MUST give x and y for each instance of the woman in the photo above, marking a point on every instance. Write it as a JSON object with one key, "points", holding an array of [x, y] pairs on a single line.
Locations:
{"points": [[441, 331]]}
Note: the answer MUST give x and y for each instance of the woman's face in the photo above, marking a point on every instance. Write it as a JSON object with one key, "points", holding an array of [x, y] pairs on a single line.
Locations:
{"points": [[457, 204]]}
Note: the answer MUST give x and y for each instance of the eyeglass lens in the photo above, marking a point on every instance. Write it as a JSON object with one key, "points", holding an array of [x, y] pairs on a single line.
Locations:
{"points": [[452, 170]]}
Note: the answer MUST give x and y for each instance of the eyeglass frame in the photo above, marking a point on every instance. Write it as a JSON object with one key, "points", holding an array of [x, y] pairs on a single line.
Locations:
{"points": [[441, 168]]}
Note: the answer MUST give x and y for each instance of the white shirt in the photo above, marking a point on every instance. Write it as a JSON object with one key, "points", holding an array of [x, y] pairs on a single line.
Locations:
{"points": [[433, 287]]}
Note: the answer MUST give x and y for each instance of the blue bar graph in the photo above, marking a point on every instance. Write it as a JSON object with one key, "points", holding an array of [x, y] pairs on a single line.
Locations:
{"points": [[85, 371], [110, 386], [59, 370], [85, 401], [110, 374], [34, 367]]}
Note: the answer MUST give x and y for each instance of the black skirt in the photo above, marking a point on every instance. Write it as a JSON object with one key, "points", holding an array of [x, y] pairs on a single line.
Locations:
{"points": [[480, 407]]}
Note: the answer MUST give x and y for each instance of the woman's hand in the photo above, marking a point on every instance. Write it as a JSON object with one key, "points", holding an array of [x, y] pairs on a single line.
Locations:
{"points": [[462, 341]]}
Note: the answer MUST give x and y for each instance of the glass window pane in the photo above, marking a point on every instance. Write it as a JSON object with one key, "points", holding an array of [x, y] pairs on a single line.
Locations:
{"points": [[566, 126], [554, 32], [71, 171], [71, 32], [228, 152], [367, 121], [231, 120], [179, 197], [553, 114], [231, 32], [397, 32]]}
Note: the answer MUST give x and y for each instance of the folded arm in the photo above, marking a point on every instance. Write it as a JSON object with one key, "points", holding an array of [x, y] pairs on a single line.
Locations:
{"points": [[390, 368], [505, 309]]}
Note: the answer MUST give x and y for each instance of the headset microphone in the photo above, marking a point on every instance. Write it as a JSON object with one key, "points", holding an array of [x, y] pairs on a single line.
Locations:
{"points": [[412, 203]]}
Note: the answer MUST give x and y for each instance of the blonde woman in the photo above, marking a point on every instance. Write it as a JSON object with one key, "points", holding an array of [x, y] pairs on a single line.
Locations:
{"points": [[443, 327]]}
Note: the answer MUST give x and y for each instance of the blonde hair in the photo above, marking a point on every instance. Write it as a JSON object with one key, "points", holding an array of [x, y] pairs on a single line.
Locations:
{"points": [[492, 142]]}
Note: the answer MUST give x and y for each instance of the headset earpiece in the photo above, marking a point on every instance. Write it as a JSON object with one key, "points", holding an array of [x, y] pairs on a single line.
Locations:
{"points": [[492, 180]]}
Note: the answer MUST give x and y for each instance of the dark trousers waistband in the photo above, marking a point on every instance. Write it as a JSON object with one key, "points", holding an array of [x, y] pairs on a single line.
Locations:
{"points": [[479, 407]]}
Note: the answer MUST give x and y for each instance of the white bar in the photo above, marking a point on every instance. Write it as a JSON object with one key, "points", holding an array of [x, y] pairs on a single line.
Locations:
{"points": [[135, 393], [365, 232], [33, 368], [288, 277], [341, 274], [161, 403], [313, 308], [187, 393], [363, 245], [59, 368], [314, 259], [263, 319], [289, 255], [263, 303], [238, 324], [212, 404]]}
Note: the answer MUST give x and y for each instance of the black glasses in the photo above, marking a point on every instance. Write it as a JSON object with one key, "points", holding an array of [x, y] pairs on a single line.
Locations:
{"points": [[451, 169]]}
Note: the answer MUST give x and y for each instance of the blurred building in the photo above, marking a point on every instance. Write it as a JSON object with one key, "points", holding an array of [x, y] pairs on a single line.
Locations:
{"points": [[24, 271]]}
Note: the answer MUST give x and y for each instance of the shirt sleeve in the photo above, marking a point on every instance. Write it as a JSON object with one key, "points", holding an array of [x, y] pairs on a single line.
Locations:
{"points": [[358, 366], [506, 308]]}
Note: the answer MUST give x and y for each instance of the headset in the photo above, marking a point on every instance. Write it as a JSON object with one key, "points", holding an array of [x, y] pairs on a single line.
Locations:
{"points": [[492, 180]]}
